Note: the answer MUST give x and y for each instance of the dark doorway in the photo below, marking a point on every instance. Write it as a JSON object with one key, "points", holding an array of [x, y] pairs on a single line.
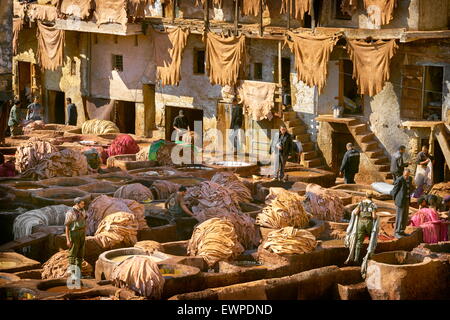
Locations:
{"points": [[338, 148], [439, 164], [24, 82], [126, 116], [56, 106], [192, 115], [286, 69]]}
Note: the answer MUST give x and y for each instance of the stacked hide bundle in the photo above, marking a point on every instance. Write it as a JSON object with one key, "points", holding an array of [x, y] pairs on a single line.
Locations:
{"points": [[284, 208], [149, 245], [289, 240], [244, 225], [214, 240], [46, 216], [231, 182], [210, 195], [117, 230], [164, 188], [323, 204], [298, 8], [29, 153], [57, 266], [35, 125], [96, 126], [65, 163], [140, 274], [122, 144], [134, 191], [441, 189], [103, 206], [142, 155]]}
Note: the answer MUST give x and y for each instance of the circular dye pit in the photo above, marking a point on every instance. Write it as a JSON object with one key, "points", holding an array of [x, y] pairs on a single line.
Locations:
{"points": [[186, 181], [66, 182], [52, 196]]}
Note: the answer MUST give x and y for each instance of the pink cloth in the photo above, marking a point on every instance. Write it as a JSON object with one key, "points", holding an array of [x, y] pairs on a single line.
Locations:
{"points": [[433, 229]]}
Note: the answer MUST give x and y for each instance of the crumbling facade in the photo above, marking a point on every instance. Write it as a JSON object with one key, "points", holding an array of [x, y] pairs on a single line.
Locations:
{"points": [[112, 62]]}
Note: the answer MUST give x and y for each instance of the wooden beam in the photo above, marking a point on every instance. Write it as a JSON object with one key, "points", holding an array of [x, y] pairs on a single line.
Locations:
{"points": [[174, 8], [261, 32], [206, 15], [288, 14], [236, 16], [313, 14], [280, 77]]}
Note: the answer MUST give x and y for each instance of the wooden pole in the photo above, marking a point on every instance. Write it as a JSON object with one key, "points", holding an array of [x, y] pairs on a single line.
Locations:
{"points": [[313, 15], [279, 79], [236, 16], [260, 18], [174, 6], [206, 15], [289, 14]]}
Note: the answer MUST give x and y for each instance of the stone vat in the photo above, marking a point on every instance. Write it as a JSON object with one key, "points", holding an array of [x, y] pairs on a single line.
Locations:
{"points": [[62, 195]]}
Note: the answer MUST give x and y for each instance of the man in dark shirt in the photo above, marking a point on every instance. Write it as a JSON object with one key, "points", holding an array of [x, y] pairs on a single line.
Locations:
{"points": [[397, 163], [180, 124], [282, 145], [350, 164], [34, 110], [401, 192], [72, 114], [236, 124]]}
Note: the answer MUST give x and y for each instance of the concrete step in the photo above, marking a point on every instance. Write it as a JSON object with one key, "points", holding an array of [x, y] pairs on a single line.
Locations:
{"points": [[289, 115], [313, 163], [365, 136], [303, 138], [309, 155], [381, 160], [359, 128], [293, 123], [308, 146], [297, 130], [368, 146], [376, 153]]}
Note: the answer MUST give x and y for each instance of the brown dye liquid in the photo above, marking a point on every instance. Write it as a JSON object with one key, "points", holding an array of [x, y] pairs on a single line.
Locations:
{"points": [[29, 187], [5, 264], [115, 179], [185, 181], [3, 281], [336, 242], [170, 272], [64, 288], [121, 258], [302, 174]]}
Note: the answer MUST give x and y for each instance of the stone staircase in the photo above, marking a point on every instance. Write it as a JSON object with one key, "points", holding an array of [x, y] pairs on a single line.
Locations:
{"points": [[310, 157], [370, 146]]}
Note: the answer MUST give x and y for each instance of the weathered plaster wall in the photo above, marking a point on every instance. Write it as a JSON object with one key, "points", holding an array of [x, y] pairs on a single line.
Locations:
{"points": [[6, 49]]}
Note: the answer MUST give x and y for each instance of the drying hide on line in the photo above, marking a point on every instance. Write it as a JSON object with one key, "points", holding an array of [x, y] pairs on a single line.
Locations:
{"points": [[103, 206], [371, 64], [216, 3], [140, 274], [17, 26], [311, 57], [225, 58], [57, 267], [136, 8], [111, 11], [283, 209], [380, 12], [50, 46], [42, 12], [75, 8], [250, 7], [168, 48], [290, 240], [100, 109], [214, 240], [257, 98], [298, 8]]}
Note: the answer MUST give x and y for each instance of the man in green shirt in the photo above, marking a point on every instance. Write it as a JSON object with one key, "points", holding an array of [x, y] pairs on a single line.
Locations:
{"points": [[76, 232], [14, 120]]}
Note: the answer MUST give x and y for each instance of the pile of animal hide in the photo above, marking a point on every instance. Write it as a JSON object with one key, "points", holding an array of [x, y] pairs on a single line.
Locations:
{"points": [[290, 240], [96, 126], [117, 230], [46, 216], [283, 209], [103, 206], [134, 191], [323, 204], [441, 189], [164, 188], [244, 225], [57, 266], [29, 153], [149, 245], [231, 182], [214, 240], [210, 195], [140, 274], [34, 125], [162, 154], [142, 155], [65, 163]]}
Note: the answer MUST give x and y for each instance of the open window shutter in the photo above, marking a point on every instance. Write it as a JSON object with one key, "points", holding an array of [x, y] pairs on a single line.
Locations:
{"points": [[412, 92]]}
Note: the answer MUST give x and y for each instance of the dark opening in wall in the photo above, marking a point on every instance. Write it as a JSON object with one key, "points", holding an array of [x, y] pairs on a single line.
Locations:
{"points": [[338, 14], [199, 61], [117, 62], [257, 71]]}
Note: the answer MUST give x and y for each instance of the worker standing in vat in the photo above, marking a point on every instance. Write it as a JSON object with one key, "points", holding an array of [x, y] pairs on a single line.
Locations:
{"points": [[398, 164], [34, 110], [236, 124], [350, 164], [75, 224], [180, 124], [282, 145], [176, 205], [401, 192], [72, 114]]}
